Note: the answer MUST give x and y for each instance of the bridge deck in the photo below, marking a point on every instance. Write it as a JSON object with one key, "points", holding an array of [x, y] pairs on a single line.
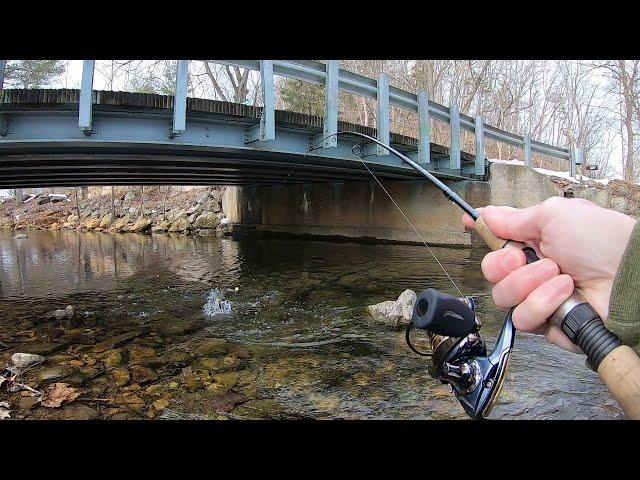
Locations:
{"points": [[43, 145]]}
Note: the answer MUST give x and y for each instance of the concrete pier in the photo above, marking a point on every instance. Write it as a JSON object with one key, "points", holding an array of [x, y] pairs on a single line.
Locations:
{"points": [[361, 210]]}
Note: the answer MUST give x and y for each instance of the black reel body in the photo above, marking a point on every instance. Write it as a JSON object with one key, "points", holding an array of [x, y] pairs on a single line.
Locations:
{"points": [[460, 356]]}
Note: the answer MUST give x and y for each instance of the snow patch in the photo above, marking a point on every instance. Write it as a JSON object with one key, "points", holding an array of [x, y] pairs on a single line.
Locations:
{"points": [[554, 173]]}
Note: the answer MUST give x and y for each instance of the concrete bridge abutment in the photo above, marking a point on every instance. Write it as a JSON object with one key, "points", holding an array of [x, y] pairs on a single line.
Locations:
{"points": [[361, 210]]}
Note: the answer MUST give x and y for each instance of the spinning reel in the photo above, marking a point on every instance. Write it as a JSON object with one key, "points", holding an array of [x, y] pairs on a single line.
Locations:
{"points": [[459, 355]]}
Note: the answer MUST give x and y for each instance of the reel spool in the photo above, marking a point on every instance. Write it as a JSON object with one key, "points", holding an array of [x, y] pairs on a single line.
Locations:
{"points": [[460, 356]]}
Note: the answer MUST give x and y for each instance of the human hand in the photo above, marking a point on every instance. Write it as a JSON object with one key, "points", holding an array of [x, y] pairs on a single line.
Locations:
{"points": [[580, 246]]}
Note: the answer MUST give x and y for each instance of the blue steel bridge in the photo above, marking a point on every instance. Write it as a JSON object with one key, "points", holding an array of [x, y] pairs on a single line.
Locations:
{"points": [[88, 137]]}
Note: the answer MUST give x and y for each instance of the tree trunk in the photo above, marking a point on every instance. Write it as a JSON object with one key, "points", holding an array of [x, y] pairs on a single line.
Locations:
{"points": [[18, 194], [113, 206], [77, 204], [141, 201], [629, 173]]}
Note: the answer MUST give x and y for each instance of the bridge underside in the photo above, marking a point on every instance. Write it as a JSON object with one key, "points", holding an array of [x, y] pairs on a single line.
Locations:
{"points": [[42, 145]]}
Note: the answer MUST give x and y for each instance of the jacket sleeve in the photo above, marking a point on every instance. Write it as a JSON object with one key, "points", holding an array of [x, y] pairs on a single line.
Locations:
{"points": [[624, 304]]}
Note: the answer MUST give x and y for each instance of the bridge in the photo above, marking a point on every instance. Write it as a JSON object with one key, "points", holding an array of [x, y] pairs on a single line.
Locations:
{"points": [[88, 137]]}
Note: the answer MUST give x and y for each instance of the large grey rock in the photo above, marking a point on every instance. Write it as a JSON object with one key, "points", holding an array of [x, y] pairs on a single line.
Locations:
{"points": [[216, 195], [206, 220], [388, 313], [202, 196], [23, 360], [394, 313], [180, 225]]}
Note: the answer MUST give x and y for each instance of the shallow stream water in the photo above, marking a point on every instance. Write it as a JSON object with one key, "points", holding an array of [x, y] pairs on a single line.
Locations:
{"points": [[300, 344]]}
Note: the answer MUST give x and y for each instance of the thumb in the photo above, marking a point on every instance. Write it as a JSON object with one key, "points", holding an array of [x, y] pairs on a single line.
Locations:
{"points": [[520, 224]]}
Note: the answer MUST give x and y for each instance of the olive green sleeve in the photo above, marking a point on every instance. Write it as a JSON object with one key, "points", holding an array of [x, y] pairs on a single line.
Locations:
{"points": [[624, 305]]}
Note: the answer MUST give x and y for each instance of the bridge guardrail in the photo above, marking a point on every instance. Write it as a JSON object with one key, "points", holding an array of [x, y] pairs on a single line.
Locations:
{"points": [[335, 79]]}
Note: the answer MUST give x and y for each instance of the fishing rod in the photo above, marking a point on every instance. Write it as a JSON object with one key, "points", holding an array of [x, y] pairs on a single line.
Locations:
{"points": [[459, 356]]}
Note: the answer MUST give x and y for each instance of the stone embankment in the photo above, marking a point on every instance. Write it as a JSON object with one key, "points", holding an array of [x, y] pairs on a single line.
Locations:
{"points": [[154, 210]]}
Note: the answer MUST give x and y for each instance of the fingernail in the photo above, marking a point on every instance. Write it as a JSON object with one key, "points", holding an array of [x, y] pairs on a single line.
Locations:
{"points": [[547, 266]]}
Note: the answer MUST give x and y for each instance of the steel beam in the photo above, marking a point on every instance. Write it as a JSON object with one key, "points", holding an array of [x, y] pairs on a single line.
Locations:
{"points": [[454, 149], [479, 163], [85, 115], [383, 113], [424, 142], [528, 159], [180, 100]]}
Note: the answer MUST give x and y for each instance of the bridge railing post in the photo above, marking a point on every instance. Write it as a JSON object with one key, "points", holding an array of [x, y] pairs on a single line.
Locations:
{"points": [[479, 163], [424, 141], [383, 113], [85, 108], [575, 160], [572, 161], [454, 149], [268, 118], [528, 158], [180, 100], [331, 104]]}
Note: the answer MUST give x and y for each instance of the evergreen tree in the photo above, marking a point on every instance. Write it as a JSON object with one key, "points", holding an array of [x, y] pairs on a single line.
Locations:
{"points": [[33, 73]]}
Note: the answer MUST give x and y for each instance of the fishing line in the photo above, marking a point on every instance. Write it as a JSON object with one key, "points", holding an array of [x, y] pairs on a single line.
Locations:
{"points": [[424, 242]]}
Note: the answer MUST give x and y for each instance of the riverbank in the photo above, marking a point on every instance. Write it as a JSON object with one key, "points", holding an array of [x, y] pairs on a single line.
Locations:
{"points": [[133, 209]]}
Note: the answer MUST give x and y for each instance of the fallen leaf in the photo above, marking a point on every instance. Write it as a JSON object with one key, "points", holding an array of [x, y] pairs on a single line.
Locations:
{"points": [[58, 393]]}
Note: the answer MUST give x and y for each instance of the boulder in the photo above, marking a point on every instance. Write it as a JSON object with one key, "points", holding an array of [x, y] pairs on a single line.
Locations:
{"points": [[201, 197], [394, 313], [216, 195], [206, 220], [141, 225], [91, 224], [105, 221], [121, 222], [180, 225]]}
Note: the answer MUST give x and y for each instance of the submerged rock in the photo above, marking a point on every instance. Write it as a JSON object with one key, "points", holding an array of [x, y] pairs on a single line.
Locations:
{"points": [[120, 376], [116, 341], [212, 347], [394, 313], [23, 360], [66, 312], [20, 235], [143, 375]]}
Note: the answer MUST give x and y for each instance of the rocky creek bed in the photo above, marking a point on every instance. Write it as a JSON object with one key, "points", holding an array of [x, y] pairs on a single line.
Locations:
{"points": [[142, 338]]}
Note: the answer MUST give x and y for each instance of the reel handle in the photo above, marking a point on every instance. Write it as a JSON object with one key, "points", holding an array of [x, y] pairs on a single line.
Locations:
{"points": [[617, 365]]}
